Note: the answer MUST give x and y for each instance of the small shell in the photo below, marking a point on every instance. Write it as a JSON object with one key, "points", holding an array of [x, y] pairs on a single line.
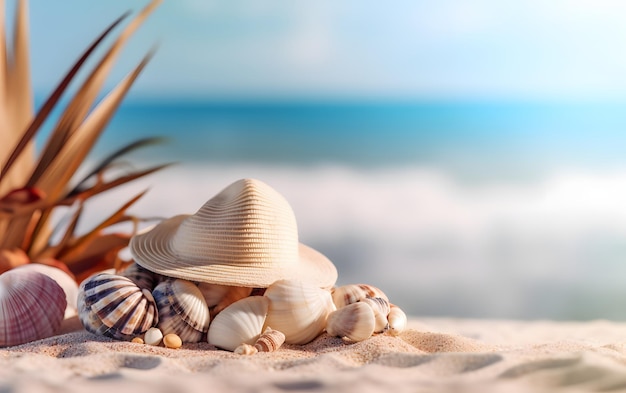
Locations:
{"points": [[298, 310], [380, 307], [246, 349], [241, 322], [218, 297], [397, 320], [67, 283], [137, 340], [352, 293], [270, 340], [144, 278], [153, 336], [172, 341], [355, 322], [116, 307], [32, 306], [182, 310]]}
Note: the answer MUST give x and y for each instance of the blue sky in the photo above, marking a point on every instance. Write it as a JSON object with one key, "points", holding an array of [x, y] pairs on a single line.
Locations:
{"points": [[530, 49]]}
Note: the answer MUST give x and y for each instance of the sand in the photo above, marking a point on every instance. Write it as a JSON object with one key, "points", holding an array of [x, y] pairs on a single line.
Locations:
{"points": [[433, 355]]}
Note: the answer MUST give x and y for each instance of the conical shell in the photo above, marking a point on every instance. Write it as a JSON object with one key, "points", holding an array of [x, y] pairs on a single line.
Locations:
{"points": [[144, 278], [218, 297], [352, 293], [297, 309], [116, 307], [270, 340], [32, 306], [65, 281], [381, 309], [397, 320], [355, 322], [182, 310], [240, 323]]}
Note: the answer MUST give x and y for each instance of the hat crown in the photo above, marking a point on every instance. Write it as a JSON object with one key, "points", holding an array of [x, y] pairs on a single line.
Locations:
{"points": [[247, 223]]}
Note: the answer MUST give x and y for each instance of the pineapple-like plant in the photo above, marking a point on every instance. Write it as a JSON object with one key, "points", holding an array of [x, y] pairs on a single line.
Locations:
{"points": [[33, 185]]}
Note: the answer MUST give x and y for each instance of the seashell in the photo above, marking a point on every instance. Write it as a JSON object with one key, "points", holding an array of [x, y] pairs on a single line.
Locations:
{"points": [[182, 310], [137, 340], [31, 307], [270, 340], [380, 307], [115, 307], [397, 320], [352, 293], [241, 322], [65, 281], [219, 296], [153, 336], [172, 341], [298, 310], [355, 322], [144, 278], [245, 349]]}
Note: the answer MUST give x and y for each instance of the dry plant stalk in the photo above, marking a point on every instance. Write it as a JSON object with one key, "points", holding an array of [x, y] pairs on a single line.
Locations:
{"points": [[31, 187]]}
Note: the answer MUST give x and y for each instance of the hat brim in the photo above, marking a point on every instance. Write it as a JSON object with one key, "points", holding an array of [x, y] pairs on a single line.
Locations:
{"points": [[152, 250]]}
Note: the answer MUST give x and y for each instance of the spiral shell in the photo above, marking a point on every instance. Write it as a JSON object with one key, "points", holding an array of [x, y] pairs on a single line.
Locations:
{"points": [[65, 281], [116, 307], [381, 309], [240, 323], [182, 310], [397, 320], [298, 310], [356, 322], [352, 293], [32, 306], [270, 340], [144, 278]]}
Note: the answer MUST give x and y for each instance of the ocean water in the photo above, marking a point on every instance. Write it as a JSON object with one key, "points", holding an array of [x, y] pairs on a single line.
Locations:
{"points": [[470, 209]]}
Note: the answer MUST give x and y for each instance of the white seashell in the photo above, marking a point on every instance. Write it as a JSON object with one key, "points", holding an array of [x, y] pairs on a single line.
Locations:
{"points": [[270, 340], [67, 283], [153, 336], [32, 306], [397, 320], [298, 310], [218, 297], [381, 309], [116, 307], [144, 278], [182, 310], [352, 293], [241, 322], [246, 349], [355, 322]]}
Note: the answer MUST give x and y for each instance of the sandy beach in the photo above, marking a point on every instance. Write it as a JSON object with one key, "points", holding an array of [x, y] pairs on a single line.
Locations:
{"points": [[432, 355]]}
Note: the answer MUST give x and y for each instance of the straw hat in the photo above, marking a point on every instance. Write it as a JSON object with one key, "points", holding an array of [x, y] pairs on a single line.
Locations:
{"points": [[244, 236]]}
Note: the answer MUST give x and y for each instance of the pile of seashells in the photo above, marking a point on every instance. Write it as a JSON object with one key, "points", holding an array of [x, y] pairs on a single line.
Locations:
{"points": [[143, 306]]}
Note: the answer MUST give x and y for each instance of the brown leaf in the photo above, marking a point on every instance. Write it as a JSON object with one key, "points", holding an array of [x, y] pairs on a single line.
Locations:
{"points": [[10, 258], [99, 254]]}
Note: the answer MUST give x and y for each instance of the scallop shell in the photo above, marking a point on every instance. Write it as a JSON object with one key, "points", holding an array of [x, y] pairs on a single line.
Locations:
{"points": [[352, 293], [298, 310], [65, 281], [355, 322], [380, 307], [144, 278], [116, 307], [397, 320], [218, 297], [240, 323], [182, 310], [32, 307], [270, 340]]}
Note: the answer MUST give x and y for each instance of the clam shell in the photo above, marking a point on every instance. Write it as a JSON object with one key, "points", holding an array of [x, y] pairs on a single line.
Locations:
{"points": [[144, 278], [182, 310], [65, 281], [355, 322], [297, 309], [397, 320], [352, 293], [381, 309], [116, 307], [270, 340], [240, 323], [32, 306]]}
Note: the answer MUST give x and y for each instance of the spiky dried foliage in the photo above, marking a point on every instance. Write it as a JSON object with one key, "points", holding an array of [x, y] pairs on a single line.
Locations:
{"points": [[33, 187]]}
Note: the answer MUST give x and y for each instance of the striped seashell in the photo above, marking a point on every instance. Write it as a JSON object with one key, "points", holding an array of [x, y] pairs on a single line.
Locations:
{"points": [[397, 320], [182, 310], [240, 323], [270, 340], [381, 309], [32, 306], [114, 306], [144, 278], [67, 283], [352, 293], [354, 322], [298, 309]]}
